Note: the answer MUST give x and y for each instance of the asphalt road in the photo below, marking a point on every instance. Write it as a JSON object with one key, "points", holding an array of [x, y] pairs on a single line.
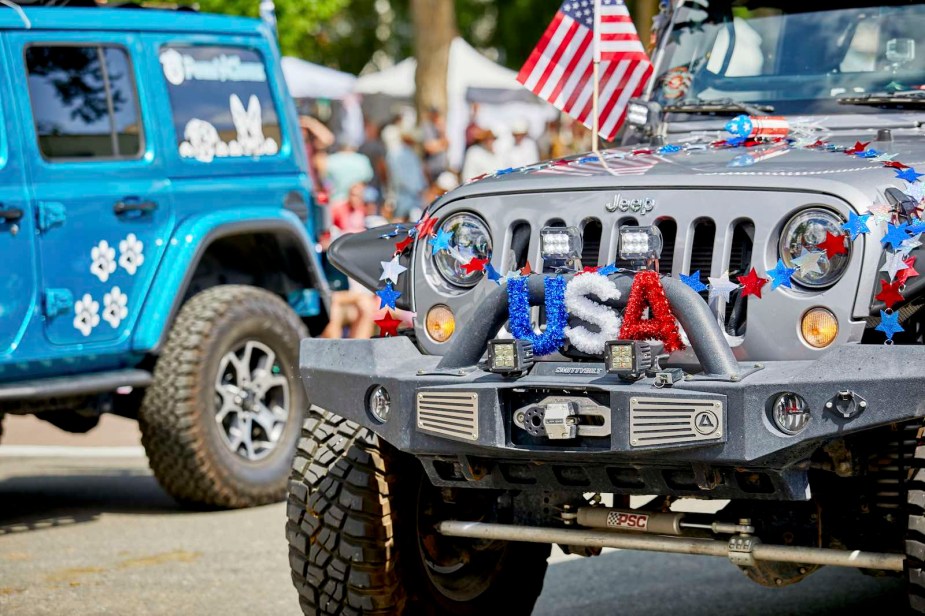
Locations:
{"points": [[95, 535]]}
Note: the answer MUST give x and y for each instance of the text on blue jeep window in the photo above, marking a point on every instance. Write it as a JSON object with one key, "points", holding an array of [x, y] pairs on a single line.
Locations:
{"points": [[221, 102], [84, 102]]}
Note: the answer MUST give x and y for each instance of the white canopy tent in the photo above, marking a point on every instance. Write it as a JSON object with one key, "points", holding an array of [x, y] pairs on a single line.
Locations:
{"points": [[307, 80], [468, 74]]}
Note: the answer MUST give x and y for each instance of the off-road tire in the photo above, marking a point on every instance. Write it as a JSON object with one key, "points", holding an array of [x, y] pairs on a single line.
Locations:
{"points": [[177, 416], [915, 535], [352, 536]]}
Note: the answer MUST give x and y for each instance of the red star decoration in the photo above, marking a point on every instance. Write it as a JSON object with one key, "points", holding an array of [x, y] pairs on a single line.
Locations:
{"points": [[475, 265], [402, 245], [588, 269], [833, 245], [903, 275], [858, 147], [752, 284], [641, 152], [388, 325], [889, 293], [818, 144], [895, 164], [425, 226], [526, 270]]}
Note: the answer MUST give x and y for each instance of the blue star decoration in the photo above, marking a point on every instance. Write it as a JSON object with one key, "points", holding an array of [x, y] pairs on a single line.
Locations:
{"points": [[693, 281], [492, 273], [607, 270], [740, 126], [387, 296], [391, 234], [441, 241], [871, 153], [780, 275], [895, 235], [916, 228], [856, 225], [889, 324], [669, 149], [908, 174]]}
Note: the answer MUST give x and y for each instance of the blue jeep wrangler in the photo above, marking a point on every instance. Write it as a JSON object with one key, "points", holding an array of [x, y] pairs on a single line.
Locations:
{"points": [[156, 238]]}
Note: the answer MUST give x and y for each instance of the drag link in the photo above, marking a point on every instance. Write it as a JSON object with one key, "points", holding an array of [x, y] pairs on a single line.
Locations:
{"points": [[676, 545]]}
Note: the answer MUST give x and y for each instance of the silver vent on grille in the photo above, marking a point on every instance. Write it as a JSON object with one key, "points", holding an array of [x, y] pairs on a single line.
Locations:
{"points": [[675, 421], [454, 414]]}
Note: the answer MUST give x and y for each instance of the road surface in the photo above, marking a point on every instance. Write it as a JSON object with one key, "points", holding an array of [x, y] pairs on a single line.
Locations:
{"points": [[84, 531]]}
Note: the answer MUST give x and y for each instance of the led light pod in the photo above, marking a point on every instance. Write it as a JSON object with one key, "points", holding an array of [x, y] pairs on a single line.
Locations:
{"points": [[510, 356], [640, 245]]}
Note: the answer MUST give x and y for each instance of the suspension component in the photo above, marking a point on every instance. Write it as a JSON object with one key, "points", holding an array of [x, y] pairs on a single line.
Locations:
{"points": [[640, 521]]}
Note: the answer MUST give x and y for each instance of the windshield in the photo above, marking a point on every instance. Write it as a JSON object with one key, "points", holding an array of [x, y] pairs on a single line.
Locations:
{"points": [[799, 59]]}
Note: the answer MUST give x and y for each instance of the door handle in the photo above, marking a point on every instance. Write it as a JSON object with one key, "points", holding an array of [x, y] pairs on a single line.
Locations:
{"points": [[132, 205], [10, 214]]}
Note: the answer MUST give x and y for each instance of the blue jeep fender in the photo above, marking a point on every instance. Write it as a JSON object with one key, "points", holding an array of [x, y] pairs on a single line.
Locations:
{"points": [[190, 241]]}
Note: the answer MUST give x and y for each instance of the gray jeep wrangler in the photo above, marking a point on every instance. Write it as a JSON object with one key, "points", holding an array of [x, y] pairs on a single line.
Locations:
{"points": [[725, 308]]}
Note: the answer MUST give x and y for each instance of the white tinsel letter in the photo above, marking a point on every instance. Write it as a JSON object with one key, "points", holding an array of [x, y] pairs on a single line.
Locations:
{"points": [[583, 307]]}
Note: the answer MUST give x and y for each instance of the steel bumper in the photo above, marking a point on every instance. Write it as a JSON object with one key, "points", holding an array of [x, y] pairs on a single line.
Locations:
{"points": [[339, 375]]}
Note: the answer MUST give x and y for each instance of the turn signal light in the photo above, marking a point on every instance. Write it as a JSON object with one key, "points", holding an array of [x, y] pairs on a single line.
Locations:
{"points": [[440, 323], [819, 327]]}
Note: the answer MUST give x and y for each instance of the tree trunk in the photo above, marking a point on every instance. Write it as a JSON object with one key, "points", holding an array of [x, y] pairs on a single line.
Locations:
{"points": [[643, 12], [434, 30]]}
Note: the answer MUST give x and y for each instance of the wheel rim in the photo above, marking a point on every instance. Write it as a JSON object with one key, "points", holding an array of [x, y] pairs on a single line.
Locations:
{"points": [[251, 400], [460, 569]]}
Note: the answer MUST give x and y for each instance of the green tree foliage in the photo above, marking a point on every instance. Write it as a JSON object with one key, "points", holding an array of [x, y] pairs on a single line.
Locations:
{"points": [[346, 34]]}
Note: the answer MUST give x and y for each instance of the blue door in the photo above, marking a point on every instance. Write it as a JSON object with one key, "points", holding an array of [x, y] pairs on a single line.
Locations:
{"points": [[17, 247], [99, 189]]}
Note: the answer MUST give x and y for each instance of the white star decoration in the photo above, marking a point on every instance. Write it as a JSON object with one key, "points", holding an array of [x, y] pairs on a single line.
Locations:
{"points": [[391, 270], [881, 213], [721, 287], [910, 244], [894, 263], [808, 262]]}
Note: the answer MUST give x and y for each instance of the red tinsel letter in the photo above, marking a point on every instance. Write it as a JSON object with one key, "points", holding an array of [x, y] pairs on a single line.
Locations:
{"points": [[647, 291]]}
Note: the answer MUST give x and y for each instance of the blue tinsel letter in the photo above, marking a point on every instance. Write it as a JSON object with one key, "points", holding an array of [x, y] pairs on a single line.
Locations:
{"points": [[518, 297]]}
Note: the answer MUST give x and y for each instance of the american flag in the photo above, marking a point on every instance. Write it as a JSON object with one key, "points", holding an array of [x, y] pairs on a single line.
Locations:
{"points": [[561, 67]]}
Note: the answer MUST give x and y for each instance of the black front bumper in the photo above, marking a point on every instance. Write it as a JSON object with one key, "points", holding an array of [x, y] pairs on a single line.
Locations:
{"points": [[340, 374]]}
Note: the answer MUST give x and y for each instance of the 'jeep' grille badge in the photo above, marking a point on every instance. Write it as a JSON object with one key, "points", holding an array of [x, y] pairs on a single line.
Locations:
{"points": [[640, 206]]}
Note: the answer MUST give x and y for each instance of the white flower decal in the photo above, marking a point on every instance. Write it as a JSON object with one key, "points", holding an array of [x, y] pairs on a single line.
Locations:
{"points": [[116, 307], [86, 314], [103, 258], [131, 254]]}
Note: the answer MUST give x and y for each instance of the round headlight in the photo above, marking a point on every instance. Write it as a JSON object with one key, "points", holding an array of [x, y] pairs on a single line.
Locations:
{"points": [[469, 238], [803, 234]]}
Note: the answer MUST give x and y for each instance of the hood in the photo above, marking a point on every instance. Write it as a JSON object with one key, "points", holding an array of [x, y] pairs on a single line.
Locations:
{"points": [[696, 161]]}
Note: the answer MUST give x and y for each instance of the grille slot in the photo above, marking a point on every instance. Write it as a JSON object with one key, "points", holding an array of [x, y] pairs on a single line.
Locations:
{"points": [[449, 413], [675, 421], [702, 248], [591, 242], [669, 230]]}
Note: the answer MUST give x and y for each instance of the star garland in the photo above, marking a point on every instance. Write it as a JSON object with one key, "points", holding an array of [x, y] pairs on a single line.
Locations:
{"points": [[389, 317], [766, 137]]}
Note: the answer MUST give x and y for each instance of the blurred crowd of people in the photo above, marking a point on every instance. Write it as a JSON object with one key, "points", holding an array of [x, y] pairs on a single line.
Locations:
{"points": [[397, 171]]}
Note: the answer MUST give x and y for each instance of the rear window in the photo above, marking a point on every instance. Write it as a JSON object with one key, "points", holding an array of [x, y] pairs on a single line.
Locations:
{"points": [[84, 102], [221, 102]]}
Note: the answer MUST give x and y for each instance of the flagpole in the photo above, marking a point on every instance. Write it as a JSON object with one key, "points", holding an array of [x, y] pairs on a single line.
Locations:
{"points": [[596, 91]]}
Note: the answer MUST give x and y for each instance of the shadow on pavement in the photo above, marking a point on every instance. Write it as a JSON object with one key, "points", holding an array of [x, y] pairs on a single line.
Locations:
{"points": [[38, 501], [644, 584]]}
